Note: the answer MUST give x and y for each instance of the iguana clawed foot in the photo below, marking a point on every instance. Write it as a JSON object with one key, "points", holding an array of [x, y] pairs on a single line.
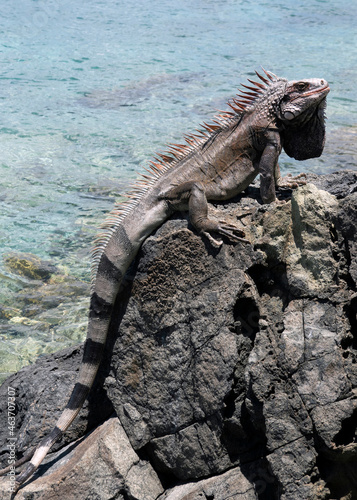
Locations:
{"points": [[292, 181], [231, 232]]}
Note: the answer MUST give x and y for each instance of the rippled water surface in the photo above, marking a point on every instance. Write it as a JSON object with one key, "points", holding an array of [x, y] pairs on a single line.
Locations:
{"points": [[91, 89]]}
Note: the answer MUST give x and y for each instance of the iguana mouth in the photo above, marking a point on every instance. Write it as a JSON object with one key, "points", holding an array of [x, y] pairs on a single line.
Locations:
{"points": [[316, 91], [326, 87]]}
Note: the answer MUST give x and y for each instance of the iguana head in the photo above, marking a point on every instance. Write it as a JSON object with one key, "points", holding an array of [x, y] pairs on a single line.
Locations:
{"points": [[297, 107], [302, 113], [301, 99]]}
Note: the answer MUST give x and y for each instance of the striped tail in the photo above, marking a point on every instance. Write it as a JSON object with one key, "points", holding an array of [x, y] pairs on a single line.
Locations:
{"points": [[109, 278], [119, 252], [99, 315]]}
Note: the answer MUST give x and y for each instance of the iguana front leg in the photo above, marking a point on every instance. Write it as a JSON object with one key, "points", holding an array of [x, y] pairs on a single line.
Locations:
{"points": [[269, 170], [270, 177], [192, 194]]}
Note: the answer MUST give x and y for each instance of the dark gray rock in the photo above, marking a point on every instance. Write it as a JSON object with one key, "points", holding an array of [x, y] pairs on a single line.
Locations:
{"points": [[177, 371], [42, 391], [233, 370], [230, 485], [338, 183]]}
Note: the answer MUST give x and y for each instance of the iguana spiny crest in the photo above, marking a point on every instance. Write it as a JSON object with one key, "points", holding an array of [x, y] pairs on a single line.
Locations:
{"points": [[275, 98]]}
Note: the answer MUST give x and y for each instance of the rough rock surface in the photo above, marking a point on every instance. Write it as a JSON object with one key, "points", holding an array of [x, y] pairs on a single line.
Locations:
{"points": [[233, 371]]}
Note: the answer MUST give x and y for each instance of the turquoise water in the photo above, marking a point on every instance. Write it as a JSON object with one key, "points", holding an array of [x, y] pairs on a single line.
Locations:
{"points": [[91, 89]]}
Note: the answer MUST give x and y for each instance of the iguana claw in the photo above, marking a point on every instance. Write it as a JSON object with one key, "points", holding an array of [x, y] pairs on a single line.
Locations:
{"points": [[228, 230], [232, 232], [291, 181]]}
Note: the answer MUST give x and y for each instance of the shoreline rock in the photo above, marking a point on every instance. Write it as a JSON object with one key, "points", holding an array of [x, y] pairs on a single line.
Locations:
{"points": [[30, 266], [232, 370]]}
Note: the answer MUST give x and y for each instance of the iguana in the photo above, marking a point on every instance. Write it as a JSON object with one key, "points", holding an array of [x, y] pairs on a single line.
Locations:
{"points": [[216, 163]]}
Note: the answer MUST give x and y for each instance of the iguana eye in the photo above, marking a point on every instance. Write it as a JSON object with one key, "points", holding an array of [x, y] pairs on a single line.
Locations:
{"points": [[301, 86]]}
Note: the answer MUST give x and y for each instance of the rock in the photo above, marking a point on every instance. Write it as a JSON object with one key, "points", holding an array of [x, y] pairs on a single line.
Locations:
{"points": [[231, 484], [8, 312], [41, 392], [103, 465], [30, 266], [302, 240], [36, 300], [40, 318], [347, 222], [233, 370]]}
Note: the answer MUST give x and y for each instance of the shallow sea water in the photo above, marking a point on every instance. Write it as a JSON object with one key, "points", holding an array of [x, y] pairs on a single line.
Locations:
{"points": [[90, 90]]}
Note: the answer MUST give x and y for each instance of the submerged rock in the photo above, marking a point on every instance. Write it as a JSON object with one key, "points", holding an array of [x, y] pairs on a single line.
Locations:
{"points": [[138, 91], [29, 266], [37, 300], [233, 370], [41, 315]]}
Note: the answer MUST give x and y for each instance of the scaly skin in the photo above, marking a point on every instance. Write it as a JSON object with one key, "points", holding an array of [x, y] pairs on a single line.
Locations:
{"points": [[214, 165]]}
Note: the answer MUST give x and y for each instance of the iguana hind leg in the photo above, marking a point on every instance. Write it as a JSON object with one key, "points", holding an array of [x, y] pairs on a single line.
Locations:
{"points": [[193, 194]]}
